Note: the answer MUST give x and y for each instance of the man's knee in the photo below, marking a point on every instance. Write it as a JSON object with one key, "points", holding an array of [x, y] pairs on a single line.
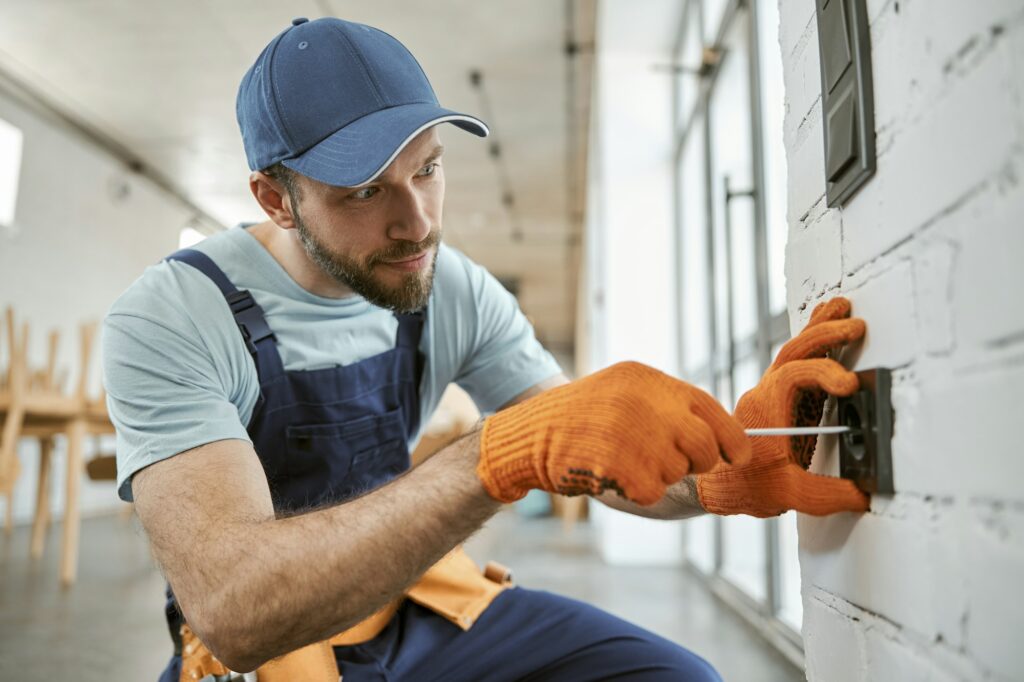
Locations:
{"points": [[653, 659], [682, 664]]}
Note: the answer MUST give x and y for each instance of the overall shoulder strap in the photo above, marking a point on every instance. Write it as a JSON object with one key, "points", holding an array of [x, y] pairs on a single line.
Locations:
{"points": [[259, 339], [410, 331], [410, 328]]}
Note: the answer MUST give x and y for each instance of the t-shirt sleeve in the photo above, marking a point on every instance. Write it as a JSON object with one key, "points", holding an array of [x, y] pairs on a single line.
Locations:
{"points": [[167, 391], [504, 357]]}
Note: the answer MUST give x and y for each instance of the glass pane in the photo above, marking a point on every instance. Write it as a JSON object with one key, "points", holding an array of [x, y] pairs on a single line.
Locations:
{"points": [[744, 561], [721, 274], [744, 273], [732, 170], [772, 109], [723, 390], [689, 58], [695, 277], [714, 10], [744, 538], [700, 542], [745, 375], [791, 607]]}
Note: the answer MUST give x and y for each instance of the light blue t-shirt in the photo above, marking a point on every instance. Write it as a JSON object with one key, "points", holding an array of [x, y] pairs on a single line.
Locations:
{"points": [[178, 375]]}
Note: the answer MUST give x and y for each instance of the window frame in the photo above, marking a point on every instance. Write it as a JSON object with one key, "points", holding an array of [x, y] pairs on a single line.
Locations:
{"points": [[772, 330]]}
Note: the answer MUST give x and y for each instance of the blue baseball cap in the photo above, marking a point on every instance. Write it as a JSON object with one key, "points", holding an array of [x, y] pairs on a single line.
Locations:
{"points": [[337, 101]]}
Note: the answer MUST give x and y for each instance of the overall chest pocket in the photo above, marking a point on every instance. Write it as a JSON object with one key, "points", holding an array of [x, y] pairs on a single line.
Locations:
{"points": [[328, 463]]}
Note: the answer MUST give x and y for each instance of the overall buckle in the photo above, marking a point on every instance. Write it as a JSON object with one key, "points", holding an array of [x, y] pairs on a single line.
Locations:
{"points": [[249, 318]]}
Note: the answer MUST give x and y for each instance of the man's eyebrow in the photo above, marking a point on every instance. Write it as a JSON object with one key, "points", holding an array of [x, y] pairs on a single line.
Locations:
{"points": [[435, 154]]}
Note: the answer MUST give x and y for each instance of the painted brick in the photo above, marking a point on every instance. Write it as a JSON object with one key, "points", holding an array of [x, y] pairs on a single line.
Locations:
{"points": [[805, 157], [926, 585], [933, 294], [985, 312], [802, 78], [960, 435], [796, 21], [832, 644], [945, 660], [902, 567], [798, 25], [813, 260], [918, 52], [962, 137], [1013, 49], [915, 55], [902, 662], [891, 339], [913, 470], [994, 552]]}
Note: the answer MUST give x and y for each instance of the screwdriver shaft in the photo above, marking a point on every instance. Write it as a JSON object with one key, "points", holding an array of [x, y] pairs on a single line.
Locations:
{"points": [[799, 431]]}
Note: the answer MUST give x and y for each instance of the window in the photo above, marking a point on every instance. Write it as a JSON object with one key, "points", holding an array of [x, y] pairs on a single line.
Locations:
{"points": [[689, 54], [694, 264], [10, 170], [189, 236], [731, 227], [774, 181]]}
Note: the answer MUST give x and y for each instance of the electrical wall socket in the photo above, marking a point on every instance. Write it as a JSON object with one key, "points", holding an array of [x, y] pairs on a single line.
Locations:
{"points": [[865, 452]]}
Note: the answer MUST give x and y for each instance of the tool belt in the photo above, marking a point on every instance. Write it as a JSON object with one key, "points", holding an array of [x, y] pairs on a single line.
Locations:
{"points": [[454, 588]]}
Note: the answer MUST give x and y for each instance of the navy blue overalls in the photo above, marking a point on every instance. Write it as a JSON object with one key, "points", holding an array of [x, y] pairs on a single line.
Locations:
{"points": [[326, 435]]}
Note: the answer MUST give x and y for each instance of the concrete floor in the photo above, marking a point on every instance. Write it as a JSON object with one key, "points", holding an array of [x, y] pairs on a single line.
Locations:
{"points": [[110, 625]]}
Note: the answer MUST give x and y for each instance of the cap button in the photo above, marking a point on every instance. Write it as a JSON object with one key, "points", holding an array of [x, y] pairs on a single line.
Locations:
{"points": [[299, 20]]}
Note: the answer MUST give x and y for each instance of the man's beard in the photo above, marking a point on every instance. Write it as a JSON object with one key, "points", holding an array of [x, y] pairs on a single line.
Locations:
{"points": [[410, 295]]}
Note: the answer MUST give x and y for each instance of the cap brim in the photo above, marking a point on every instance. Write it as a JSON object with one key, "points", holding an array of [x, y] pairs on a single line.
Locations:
{"points": [[362, 150]]}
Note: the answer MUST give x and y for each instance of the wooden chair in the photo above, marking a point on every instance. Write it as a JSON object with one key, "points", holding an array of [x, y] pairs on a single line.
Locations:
{"points": [[35, 406], [12, 409]]}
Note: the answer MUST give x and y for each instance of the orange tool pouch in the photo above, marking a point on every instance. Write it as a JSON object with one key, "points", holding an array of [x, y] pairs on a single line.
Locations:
{"points": [[454, 588]]}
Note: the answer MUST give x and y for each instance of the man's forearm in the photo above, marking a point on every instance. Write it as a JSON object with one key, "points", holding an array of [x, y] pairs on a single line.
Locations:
{"points": [[679, 502], [321, 572]]}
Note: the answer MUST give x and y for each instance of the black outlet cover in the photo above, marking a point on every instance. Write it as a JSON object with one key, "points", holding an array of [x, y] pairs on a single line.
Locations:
{"points": [[865, 453], [847, 102]]}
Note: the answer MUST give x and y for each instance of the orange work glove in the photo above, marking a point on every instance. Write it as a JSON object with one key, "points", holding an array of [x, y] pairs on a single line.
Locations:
{"points": [[791, 393], [628, 428]]}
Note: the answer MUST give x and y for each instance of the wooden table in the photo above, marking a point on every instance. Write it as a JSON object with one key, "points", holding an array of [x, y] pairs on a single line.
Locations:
{"points": [[45, 420], [35, 407]]}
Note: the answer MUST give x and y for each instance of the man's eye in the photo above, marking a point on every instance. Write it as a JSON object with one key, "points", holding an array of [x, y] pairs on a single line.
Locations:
{"points": [[364, 193], [428, 169]]}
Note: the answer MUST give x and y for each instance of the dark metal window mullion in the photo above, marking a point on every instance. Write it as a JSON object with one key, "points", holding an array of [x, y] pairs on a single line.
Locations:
{"points": [[704, 99], [677, 203]]}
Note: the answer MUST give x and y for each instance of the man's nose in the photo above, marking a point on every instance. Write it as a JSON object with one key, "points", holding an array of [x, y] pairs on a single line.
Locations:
{"points": [[411, 218]]}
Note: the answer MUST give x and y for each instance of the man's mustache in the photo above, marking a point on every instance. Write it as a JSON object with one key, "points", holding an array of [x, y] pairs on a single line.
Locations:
{"points": [[406, 249]]}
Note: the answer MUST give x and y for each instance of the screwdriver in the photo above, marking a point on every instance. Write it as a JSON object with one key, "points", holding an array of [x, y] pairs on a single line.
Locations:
{"points": [[799, 431]]}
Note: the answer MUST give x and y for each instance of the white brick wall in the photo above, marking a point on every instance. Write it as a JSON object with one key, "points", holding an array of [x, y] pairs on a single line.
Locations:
{"points": [[929, 585], [73, 248]]}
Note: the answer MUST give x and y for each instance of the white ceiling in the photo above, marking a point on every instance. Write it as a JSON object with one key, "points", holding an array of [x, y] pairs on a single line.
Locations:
{"points": [[159, 80]]}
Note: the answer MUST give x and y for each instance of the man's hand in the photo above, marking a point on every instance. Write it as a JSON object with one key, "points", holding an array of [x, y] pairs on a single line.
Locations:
{"points": [[628, 428], [791, 393]]}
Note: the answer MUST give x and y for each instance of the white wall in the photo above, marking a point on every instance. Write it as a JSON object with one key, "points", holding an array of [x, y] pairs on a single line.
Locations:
{"points": [[84, 229], [928, 585], [629, 270]]}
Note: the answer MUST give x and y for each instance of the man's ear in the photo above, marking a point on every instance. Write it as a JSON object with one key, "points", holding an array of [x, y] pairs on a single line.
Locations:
{"points": [[273, 198]]}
